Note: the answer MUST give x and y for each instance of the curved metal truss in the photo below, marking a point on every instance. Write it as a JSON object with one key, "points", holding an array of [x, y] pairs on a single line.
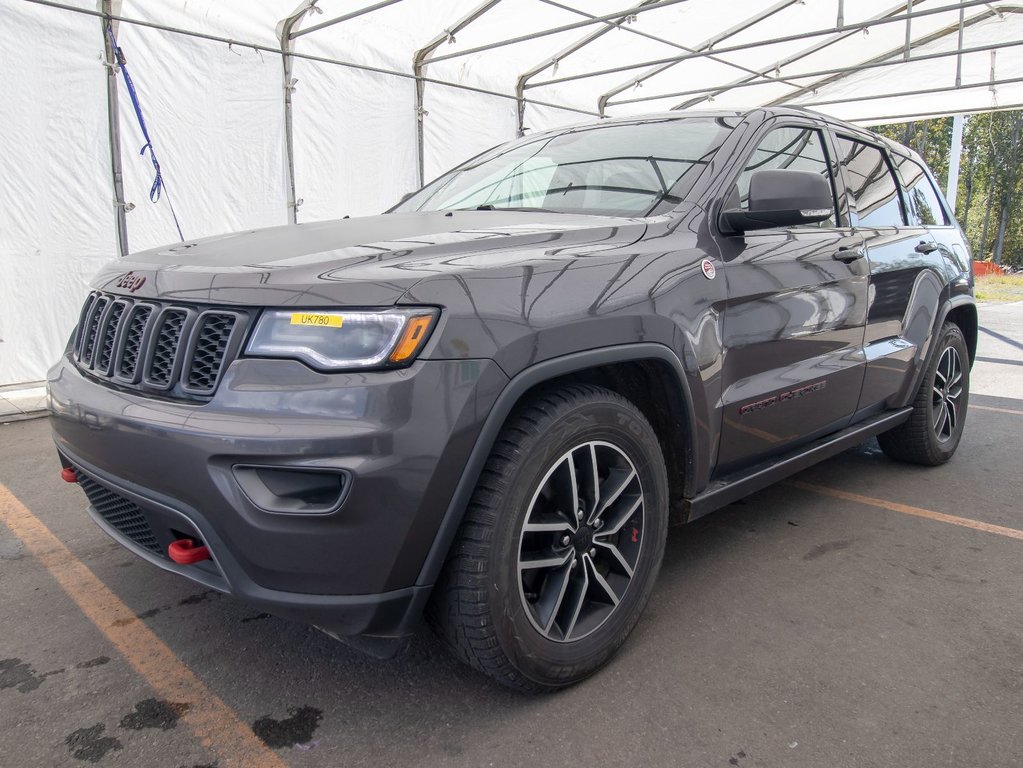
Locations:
{"points": [[725, 47]]}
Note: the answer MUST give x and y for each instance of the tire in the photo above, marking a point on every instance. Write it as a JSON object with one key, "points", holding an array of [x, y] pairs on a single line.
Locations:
{"points": [[932, 433], [534, 628]]}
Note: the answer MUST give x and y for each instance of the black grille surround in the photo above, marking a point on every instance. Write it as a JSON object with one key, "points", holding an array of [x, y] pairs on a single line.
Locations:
{"points": [[174, 350], [122, 515]]}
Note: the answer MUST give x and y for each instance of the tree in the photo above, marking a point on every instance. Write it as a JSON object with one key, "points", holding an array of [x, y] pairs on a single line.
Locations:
{"points": [[990, 181]]}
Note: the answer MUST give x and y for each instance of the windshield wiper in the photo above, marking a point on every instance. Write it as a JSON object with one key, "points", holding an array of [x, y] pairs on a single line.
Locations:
{"points": [[491, 207]]}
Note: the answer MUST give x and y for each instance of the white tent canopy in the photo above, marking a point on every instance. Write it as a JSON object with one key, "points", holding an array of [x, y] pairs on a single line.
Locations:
{"points": [[378, 90]]}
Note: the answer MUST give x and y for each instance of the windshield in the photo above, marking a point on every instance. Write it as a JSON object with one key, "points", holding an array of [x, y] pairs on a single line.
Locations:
{"points": [[632, 169]]}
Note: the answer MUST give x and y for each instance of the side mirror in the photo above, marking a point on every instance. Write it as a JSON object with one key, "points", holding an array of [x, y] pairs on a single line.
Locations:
{"points": [[781, 198]]}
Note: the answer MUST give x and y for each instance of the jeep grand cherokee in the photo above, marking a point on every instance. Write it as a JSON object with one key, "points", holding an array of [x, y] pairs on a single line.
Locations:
{"points": [[487, 404]]}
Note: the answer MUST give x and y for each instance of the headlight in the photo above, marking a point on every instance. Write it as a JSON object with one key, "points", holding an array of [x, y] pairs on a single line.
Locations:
{"points": [[336, 340]]}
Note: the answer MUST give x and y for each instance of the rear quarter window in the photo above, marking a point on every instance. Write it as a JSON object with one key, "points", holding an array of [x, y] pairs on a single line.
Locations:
{"points": [[925, 208]]}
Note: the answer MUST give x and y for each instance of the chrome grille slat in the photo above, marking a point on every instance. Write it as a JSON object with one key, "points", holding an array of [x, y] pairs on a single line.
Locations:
{"points": [[168, 349]]}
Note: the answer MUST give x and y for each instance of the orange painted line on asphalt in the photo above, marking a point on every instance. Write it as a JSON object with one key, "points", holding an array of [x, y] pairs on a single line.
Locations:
{"points": [[218, 727], [906, 509], [975, 407]]}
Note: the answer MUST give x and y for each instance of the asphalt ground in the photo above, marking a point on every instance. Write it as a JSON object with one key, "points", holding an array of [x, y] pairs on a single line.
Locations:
{"points": [[865, 613]]}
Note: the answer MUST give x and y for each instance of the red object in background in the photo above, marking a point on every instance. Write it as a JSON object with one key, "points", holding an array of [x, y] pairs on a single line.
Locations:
{"points": [[68, 475], [187, 552], [987, 268]]}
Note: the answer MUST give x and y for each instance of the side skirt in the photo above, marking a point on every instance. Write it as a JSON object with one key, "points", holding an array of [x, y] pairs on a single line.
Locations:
{"points": [[735, 486]]}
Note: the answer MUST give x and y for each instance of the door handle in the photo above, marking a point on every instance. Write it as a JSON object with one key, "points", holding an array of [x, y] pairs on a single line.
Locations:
{"points": [[847, 255], [924, 247]]}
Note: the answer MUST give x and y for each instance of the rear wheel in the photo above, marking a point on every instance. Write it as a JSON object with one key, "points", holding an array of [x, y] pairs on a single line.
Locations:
{"points": [[932, 433], [561, 544]]}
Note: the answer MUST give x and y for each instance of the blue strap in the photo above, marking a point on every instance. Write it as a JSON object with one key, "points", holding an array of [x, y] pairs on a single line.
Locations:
{"points": [[159, 185]]}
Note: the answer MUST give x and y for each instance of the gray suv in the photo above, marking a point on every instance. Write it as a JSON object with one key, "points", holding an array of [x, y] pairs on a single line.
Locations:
{"points": [[487, 405]]}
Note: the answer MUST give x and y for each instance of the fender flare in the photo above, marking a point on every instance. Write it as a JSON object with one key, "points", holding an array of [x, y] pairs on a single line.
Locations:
{"points": [[506, 401], [944, 310]]}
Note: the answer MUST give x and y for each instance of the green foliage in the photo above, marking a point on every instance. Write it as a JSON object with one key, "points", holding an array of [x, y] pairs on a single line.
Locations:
{"points": [[990, 182]]}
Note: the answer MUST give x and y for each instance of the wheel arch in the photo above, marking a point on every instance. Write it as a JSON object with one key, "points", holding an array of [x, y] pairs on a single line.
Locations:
{"points": [[961, 310], [623, 369], [965, 316]]}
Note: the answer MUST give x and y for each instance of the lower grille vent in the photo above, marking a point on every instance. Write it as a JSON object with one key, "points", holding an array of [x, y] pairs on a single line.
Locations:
{"points": [[122, 515]]}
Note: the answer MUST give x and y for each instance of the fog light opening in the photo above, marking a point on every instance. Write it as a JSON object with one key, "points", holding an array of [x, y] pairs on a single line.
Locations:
{"points": [[302, 491]]}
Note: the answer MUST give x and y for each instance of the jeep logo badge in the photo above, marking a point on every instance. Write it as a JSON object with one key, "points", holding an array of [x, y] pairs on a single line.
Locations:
{"points": [[131, 281]]}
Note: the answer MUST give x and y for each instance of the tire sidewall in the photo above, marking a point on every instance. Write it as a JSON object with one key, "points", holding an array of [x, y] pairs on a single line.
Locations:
{"points": [[545, 661]]}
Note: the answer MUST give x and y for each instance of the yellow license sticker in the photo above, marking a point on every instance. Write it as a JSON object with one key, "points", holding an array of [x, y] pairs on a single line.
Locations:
{"points": [[317, 320]]}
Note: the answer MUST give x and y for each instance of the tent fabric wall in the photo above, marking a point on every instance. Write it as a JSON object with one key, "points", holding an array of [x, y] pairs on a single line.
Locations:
{"points": [[55, 189], [215, 111], [218, 133], [355, 147]]}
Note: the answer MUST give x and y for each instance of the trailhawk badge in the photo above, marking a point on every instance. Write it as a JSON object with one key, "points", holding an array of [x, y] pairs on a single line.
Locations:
{"points": [[709, 270]]}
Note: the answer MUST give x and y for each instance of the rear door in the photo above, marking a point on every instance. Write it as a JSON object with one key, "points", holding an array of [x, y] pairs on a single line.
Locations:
{"points": [[793, 325], [903, 292]]}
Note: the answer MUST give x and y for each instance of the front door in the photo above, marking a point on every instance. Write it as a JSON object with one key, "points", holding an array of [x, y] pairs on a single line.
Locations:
{"points": [[794, 320]]}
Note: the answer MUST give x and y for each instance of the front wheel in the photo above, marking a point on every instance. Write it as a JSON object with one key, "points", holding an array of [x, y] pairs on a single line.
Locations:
{"points": [[932, 433], [561, 544]]}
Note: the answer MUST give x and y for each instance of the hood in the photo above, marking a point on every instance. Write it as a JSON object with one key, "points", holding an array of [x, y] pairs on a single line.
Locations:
{"points": [[370, 261]]}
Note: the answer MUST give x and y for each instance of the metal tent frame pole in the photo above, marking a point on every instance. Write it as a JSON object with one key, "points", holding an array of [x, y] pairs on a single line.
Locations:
{"points": [[114, 132], [343, 18], [717, 90], [687, 49], [284, 35], [524, 78], [419, 61], [760, 43], [958, 29], [791, 59], [913, 92], [954, 155], [631, 11], [609, 25], [703, 48], [902, 118]]}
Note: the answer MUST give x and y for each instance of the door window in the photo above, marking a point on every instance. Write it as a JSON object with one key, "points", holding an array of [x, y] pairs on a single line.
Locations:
{"points": [[797, 149], [871, 185], [925, 208]]}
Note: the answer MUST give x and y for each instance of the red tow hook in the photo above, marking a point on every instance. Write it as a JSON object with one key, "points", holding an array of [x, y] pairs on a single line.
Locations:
{"points": [[187, 552], [68, 475]]}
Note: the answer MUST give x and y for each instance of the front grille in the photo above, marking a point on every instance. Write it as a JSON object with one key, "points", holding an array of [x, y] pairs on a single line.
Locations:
{"points": [[166, 347], [135, 327], [173, 350], [123, 515], [212, 335]]}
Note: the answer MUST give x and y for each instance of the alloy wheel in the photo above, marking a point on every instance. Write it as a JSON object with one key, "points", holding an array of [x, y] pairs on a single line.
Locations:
{"points": [[946, 392], [581, 541]]}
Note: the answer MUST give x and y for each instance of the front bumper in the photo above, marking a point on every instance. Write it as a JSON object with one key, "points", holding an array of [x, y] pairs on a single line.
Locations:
{"points": [[400, 437]]}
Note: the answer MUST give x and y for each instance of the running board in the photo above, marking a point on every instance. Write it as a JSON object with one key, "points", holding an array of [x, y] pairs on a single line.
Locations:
{"points": [[734, 487]]}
